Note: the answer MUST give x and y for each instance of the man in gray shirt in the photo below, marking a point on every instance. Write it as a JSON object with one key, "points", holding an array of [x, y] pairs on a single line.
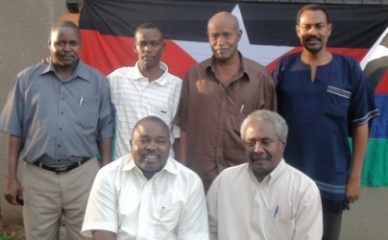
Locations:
{"points": [[57, 115]]}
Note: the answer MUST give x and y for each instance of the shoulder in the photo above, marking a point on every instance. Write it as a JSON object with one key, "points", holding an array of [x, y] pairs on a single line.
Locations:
{"points": [[121, 71], [89, 69], [230, 179], [300, 180], [200, 67], [232, 173], [115, 167], [252, 65], [289, 58], [186, 175], [346, 60], [93, 75], [37, 68], [172, 79]]}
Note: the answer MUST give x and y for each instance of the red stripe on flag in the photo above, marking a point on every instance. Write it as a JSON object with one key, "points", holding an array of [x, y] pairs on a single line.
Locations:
{"points": [[177, 60], [383, 84], [107, 53]]}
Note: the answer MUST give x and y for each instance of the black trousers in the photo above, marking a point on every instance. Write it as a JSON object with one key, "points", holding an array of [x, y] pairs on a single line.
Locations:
{"points": [[331, 225]]}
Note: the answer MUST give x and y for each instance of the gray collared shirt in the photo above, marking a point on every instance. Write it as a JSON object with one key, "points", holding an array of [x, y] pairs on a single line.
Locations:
{"points": [[61, 120]]}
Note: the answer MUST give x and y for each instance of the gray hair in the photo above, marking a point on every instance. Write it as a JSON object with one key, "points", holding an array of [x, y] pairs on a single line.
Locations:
{"points": [[281, 128]]}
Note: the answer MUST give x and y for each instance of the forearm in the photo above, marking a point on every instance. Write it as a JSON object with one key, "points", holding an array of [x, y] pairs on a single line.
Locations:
{"points": [[103, 235], [12, 186], [360, 141], [105, 150], [12, 158]]}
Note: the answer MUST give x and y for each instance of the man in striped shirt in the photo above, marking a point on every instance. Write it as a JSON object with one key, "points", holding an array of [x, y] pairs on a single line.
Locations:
{"points": [[144, 89]]}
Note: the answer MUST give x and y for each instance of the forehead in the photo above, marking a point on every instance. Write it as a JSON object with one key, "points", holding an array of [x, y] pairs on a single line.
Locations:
{"points": [[222, 24], [151, 128], [65, 32], [148, 34], [260, 129], [312, 17]]}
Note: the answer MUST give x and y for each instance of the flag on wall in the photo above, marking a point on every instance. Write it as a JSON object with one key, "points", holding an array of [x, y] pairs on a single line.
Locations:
{"points": [[107, 29]]}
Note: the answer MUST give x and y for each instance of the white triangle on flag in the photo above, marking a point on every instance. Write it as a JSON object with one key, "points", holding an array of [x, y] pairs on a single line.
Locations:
{"points": [[377, 51], [263, 54]]}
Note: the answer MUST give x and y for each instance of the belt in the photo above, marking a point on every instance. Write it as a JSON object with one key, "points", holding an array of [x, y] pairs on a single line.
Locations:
{"points": [[62, 169]]}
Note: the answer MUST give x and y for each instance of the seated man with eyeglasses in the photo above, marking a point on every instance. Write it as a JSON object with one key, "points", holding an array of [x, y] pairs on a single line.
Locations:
{"points": [[265, 198]]}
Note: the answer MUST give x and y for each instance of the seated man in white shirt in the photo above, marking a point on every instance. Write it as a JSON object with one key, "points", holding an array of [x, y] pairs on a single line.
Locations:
{"points": [[147, 195], [265, 198]]}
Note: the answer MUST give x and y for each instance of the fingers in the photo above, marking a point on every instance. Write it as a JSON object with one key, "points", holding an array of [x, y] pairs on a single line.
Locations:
{"points": [[11, 198], [352, 199]]}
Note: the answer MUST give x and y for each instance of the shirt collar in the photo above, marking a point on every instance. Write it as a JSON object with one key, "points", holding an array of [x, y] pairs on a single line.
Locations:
{"points": [[275, 174], [162, 80], [80, 70], [210, 65]]}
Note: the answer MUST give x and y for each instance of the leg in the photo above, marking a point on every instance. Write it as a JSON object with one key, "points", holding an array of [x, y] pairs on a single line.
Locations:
{"points": [[76, 185], [42, 203], [331, 225]]}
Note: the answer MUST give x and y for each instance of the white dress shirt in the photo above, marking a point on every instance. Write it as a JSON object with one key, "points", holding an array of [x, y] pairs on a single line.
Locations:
{"points": [[285, 205], [135, 97], [171, 205]]}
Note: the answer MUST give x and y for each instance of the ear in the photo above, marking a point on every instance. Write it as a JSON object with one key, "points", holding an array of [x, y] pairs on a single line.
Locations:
{"points": [[283, 145], [134, 47], [329, 27], [239, 34], [297, 30], [163, 44]]}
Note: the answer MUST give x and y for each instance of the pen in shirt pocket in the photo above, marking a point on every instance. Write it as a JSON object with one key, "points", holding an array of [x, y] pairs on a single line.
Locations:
{"points": [[81, 101], [161, 211], [276, 211]]}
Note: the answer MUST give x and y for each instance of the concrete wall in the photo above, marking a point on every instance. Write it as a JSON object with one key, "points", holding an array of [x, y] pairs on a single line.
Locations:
{"points": [[24, 29]]}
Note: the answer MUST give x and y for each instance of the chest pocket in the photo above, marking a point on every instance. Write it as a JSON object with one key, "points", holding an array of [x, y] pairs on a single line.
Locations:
{"points": [[337, 102], [87, 113]]}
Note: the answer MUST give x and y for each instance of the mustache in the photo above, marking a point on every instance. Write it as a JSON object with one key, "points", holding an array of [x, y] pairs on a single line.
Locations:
{"points": [[150, 152], [313, 38], [220, 48], [259, 157]]}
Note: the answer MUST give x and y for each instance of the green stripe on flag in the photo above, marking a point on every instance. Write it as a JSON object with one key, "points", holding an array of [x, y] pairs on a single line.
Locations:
{"points": [[375, 170]]}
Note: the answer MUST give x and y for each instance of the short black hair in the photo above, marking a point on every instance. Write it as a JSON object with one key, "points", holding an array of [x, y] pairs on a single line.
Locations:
{"points": [[69, 24], [148, 25], [152, 119], [313, 7]]}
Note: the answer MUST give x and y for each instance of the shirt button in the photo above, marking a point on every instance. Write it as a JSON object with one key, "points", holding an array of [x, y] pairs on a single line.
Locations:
{"points": [[59, 145], [60, 129], [61, 113]]}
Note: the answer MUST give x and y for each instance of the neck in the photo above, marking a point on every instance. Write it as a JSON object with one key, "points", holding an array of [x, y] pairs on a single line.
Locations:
{"points": [[230, 63], [64, 72], [151, 73], [321, 58]]}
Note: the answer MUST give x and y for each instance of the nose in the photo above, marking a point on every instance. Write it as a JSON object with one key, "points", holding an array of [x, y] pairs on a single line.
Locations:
{"points": [[313, 31], [67, 47], [258, 148], [147, 48], [151, 146], [220, 40]]}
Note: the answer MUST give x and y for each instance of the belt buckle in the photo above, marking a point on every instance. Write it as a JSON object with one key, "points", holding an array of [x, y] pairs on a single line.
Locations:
{"points": [[61, 169]]}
